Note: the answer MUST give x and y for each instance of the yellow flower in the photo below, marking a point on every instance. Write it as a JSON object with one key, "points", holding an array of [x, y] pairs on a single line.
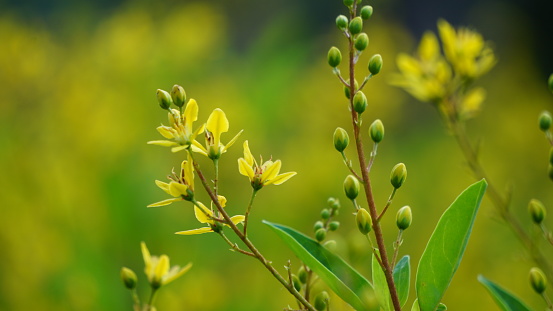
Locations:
{"points": [[179, 134], [261, 175], [180, 187], [205, 216], [217, 123], [158, 270]]}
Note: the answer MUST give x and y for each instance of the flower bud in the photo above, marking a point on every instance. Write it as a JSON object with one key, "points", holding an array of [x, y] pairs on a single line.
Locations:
{"points": [[341, 139], [334, 57], [377, 131], [296, 282], [318, 225], [330, 245], [347, 90], [537, 211], [404, 218], [538, 280], [364, 221], [164, 99], [302, 275], [361, 42], [545, 121], [333, 225], [550, 82], [359, 102], [321, 300], [178, 95], [366, 12], [375, 64], [325, 214], [129, 278], [342, 22], [398, 175], [356, 25], [333, 203], [320, 234], [348, 3], [351, 187]]}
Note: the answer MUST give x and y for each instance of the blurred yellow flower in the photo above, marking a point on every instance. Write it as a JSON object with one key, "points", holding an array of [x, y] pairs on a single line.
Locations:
{"points": [[180, 134], [181, 186], [158, 270], [266, 174], [205, 216], [217, 123]]}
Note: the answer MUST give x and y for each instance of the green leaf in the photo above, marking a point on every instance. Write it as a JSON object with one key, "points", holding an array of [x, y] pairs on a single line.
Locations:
{"points": [[446, 246], [505, 300], [380, 285], [402, 278], [345, 281]]}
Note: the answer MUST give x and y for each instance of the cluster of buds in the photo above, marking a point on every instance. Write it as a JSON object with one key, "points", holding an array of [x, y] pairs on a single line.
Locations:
{"points": [[327, 222], [545, 121]]}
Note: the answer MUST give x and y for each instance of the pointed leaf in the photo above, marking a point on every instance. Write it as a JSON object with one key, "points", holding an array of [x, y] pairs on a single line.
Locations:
{"points": [[380, 285], [402, 278], [446, 246], [505, 300], [345, 281]]}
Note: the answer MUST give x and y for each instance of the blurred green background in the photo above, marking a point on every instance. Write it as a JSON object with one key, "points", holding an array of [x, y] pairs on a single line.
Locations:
{"points": [[77, 84]]}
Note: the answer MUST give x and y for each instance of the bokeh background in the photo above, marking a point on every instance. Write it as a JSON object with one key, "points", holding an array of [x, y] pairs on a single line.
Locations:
{"points": [[77, 90]]}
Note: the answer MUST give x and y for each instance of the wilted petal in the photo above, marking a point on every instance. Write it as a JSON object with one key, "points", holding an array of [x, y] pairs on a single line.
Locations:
{"points": [[195, 231]]}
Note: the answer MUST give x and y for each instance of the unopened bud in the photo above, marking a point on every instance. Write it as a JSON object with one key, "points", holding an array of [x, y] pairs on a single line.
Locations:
{"points": [[320, 235], [361, 42], [334, 57], [321, 300], [359, 102], [404, 218], [296, 282], [178, 95], [377, 131], [375, 64], [333, 203], [325, 214], [356, 25], [302, 275], [366, 12], [341, 139], [129, 278], [550, 82], [164, 99], [318, 225], [330, 245], [342, 22], [538, 280], [351, 187], [364, 221], [347, 90], [545, 121], [537, 211], [348, 3], [333, 225], [398, 175]]}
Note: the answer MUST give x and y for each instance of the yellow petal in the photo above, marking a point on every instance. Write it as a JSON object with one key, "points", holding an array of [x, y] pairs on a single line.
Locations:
{"points": [[429, 48], [161, 268], [237, 219], [199, 148], [203, 215], [408, 65], [164, 202], [449, 37], [217, 123], [163, 185], [198, 131], [177, 189], [231, 142], [163, 143], [179, 148], [245, 168], [281, 178], [176, 273], [248, 154], [188, 169], [147, 258], [195, 231], [222, 200], [271, 171], [190, 114], [166, 132]]}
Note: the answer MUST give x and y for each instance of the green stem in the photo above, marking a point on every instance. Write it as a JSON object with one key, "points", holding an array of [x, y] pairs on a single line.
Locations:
{"points": [[347, 162], [216, 180], [136, 300], [397, 244], [390, 198], [152, 299], [547, 301], [247, 215]]}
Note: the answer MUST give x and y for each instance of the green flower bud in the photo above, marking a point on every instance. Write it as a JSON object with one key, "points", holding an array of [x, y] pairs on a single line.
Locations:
{"points": [[346, 89], [351, 187], [330, 245], [545, 121], [359, 102], [325, 214], [178, 95], [302, 275], [296, 282], [321, 300], [537, 211], [375, 64], [129, 278], [364, 221], [334, 57], [342, 22], [356, 25], [333, 203], [164, 99], [341, 139], [404, 218], [398, 175], [320, 234], [538, 280], [348, 3], [318, 225], [377, 131], [361, 42], [366, 12], [333, 225], [550, 82]]}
